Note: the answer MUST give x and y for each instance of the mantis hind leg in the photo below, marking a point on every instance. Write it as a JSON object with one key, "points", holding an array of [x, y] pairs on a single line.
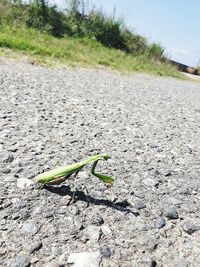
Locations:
{"points": [[74, 187]]}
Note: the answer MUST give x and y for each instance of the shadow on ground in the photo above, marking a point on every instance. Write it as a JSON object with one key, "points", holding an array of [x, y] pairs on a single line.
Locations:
{"points": [[81, 196]]}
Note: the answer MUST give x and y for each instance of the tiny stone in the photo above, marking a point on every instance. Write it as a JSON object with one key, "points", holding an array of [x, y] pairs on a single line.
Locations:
{"points": [[171, 213], [97, 220], [83, 175], [85, 259], [35, 246], [30, 228], [9, 158], [20, 169], [147, 243], [23, 183], [5, 170], [66, 200], [150, 182], [113, 198], [46, 168], [160, 223], [139, 205], [36, 211], [189, 227], [105, 251], [190, 207], [106, 230], [20, 261], [145, 227], [93, 233], [19, 204], [148, 262], [139, 194], [3, 251]]}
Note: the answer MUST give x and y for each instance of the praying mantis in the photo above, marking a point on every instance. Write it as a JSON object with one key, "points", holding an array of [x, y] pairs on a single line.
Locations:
{"points": [[59, 175]]}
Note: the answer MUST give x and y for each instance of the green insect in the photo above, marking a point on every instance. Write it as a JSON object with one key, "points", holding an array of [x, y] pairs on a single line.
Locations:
{"points": [[59, 175]]}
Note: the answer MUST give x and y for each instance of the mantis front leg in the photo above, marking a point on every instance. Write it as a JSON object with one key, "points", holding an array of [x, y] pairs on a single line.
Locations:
{"points": [[105, 178]]}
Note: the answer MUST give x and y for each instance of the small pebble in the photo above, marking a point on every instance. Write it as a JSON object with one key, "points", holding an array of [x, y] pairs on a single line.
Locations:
{"points": [[148, 262], [85, 259], [189, 227], [36, 211], [150, 182], [30, 228], [106, 230], [105, 251], [147, 243], [35, 246], [23, 183], [20, 261], [171, 213], [9, 158], [93, 233], [139, 205], [160, 223], [5, 170], [20, 169], [97, 220]]}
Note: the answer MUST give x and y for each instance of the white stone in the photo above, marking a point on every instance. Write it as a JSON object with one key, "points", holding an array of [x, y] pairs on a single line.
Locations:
{"points": [[106, 230], [85, 259], [149, 182], [83, 175], [36, 211], [30, 228], [23, 183], [93, 233]]}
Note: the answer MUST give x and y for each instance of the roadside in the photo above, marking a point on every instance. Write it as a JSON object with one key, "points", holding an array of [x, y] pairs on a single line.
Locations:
{"points": [[48, 50], [191, 76]]}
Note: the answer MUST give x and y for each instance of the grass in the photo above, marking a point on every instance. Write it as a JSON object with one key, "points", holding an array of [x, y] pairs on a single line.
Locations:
{"points": [[46, 49]]}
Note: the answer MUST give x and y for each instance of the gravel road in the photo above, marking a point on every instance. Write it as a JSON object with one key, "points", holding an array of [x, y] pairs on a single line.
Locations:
{"points": [[151, 128]]}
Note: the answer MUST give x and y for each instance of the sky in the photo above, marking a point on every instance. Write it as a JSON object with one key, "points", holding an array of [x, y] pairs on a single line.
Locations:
{"points": [[174, 24]]}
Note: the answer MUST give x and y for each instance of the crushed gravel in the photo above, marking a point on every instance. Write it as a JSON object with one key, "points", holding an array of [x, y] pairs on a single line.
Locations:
{"points": [[151, 128]]}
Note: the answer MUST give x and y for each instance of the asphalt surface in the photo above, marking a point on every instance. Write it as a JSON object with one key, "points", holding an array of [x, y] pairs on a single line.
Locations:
{"points": [[151, 128]]}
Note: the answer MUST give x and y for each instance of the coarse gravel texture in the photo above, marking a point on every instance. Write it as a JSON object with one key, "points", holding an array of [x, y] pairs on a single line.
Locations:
{"points": [[151, 128]]}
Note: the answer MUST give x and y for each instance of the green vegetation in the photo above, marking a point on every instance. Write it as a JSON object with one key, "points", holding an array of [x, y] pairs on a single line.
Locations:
{"points": [[80, 36], [198, 70]]}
